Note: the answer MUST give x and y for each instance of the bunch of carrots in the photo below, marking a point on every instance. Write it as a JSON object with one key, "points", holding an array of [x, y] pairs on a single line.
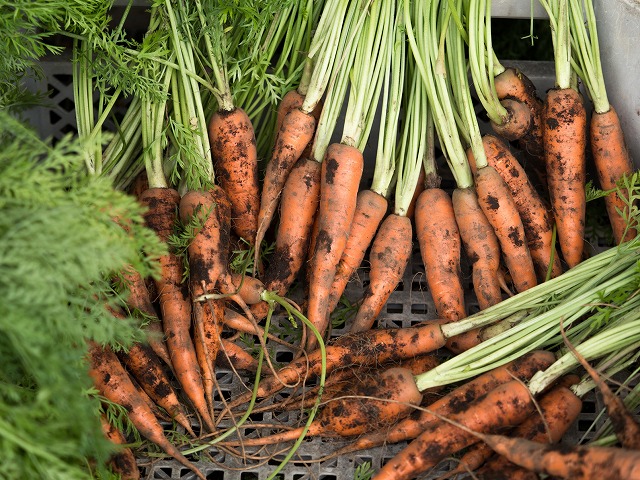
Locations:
{"points": [[254, 235]]}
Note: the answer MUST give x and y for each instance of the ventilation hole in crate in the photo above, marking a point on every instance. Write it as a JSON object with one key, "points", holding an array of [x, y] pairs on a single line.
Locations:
{"points": [[67, 104], [298, 476], [68, 129], [54, 117], [328, 477], [584, 425], [63, 78], [249, 476], [588, 407], [419, 309], [257, 417], [284, 357], [226, 394], [394, 308], [52, 90], [399, 287], [163, 472], [213, 475], [418, 286]]}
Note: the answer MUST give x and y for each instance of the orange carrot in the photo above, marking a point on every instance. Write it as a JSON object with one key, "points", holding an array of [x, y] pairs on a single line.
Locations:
{"points": [[298, 208], [370, 210], [122, 462], [353, 415], [517, 122], [291, 100], [612, 162], [112, 381], [175, 303], [340, 179], [512, 84], [295, 133], [439, 239], [566, 461], [506, 405], [248, 288], [499, 207], [409, 428], [234, 356], [565, 140], [233, 146], [536, 217], [390, 253]]}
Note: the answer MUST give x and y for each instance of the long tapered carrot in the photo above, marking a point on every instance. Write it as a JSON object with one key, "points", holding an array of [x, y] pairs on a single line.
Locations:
{"points": [[565, 141], [499, 207], [298, 207], [612, 161], [233, 146], [112, 381], [295, 133], [339, 182], [505, 406], [174, 299], [536, 217], [370, 210], [390, 254], [522, 368], [440, 247], [567, 461]]}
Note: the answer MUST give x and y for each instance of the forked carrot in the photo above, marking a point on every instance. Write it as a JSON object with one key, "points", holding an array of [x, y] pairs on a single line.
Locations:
{"points": [[113, 382], [175, 303]]}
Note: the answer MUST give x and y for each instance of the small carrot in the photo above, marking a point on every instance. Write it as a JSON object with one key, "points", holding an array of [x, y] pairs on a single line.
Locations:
{"points": [[233, 146], [234, 356], [440, 246], [175, 304], [371, 208], [248, 288], [340, 179], [112, 381], [390, 254]]}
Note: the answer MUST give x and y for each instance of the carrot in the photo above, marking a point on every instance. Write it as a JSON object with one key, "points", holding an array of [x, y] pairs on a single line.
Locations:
{"points": [[471, 460], [440, 246], [567, 461], [340, 179], [481, 246], [559, 408], [234, 356], [536, 217], [517, 121], [293, 136], [390, 396], [139, 298], [506, 405], [512, 84], [565, 140], [233, 146], [371, 208], [174, 299], [390, 253], [456, 400], [499, 207], [147, 369], [112, 382], [122, 462], [612, 161], [363, 348], [248, 288], [298, 207], [291, 100]]}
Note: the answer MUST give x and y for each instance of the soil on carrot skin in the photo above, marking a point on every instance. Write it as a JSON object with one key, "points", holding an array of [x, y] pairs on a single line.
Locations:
{"points": [[332, 166]]}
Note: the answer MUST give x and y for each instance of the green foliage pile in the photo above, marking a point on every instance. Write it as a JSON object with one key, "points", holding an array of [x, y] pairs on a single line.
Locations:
{"points": [[59, 248]]}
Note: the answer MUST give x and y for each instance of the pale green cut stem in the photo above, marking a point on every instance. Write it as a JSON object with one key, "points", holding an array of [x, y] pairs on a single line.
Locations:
{"points": [[337, 88], [614, 363], [562, 45], [323, 50], [609, 340], [383, 174]]}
